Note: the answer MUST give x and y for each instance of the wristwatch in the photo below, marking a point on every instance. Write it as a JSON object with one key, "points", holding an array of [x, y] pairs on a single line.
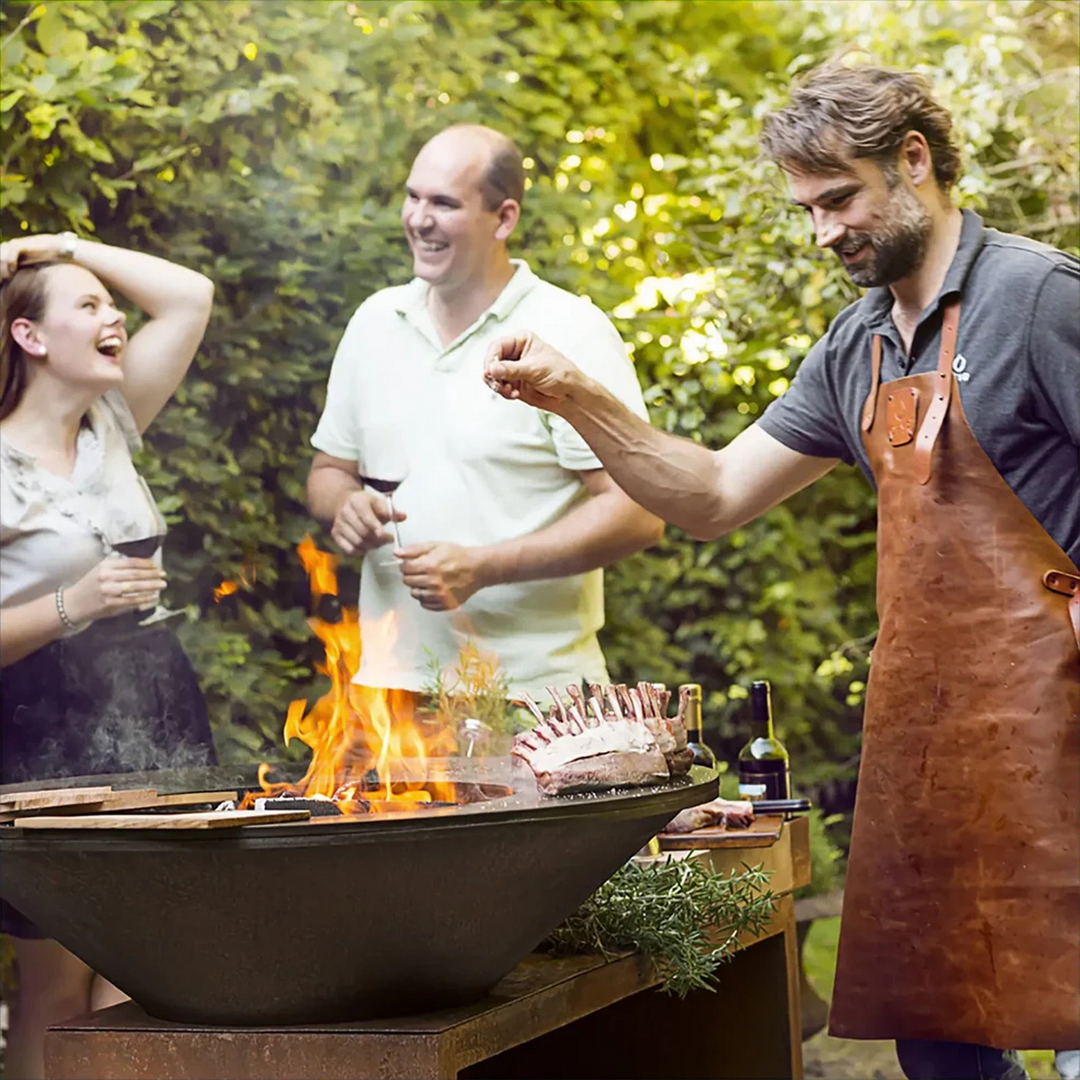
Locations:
{"points": [[68, 240]]}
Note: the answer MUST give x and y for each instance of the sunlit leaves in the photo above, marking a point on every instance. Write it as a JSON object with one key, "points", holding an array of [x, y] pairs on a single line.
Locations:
{"points": [[266, 143]]}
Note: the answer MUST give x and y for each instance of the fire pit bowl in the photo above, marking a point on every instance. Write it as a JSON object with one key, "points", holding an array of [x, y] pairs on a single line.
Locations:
{"points": [[332, 919]]}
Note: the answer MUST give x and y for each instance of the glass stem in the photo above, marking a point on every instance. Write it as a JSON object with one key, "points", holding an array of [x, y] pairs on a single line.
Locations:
{"points": [[393, 519]]}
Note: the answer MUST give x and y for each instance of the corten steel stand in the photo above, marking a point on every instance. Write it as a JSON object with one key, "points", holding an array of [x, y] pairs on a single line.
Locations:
{"points": [[580, 1017]]}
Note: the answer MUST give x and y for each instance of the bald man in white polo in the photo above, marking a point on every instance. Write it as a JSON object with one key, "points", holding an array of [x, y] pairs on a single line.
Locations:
{"points": [[506, 516]]}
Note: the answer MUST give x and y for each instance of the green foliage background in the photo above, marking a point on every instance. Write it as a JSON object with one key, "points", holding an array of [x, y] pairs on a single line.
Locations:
{"points": [[265, 143]]}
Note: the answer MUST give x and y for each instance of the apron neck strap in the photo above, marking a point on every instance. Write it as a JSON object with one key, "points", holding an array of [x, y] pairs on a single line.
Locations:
{"points": [[875, 381], [939, 404]]}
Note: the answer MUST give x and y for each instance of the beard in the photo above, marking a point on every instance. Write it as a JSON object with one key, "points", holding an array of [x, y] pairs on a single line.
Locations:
{"points": [[897, 249]]}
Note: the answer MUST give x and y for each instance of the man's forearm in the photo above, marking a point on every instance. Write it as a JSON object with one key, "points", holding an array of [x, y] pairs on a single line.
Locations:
{"points": [[672, 477], [327, 490], [602, 530]]}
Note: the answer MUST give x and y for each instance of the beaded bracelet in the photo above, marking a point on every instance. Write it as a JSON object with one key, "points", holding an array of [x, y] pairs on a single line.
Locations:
{"points": [[64, 617]]}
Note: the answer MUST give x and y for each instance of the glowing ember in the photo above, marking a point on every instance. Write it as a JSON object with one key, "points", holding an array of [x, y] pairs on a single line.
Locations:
{"points": [[369, 753]]}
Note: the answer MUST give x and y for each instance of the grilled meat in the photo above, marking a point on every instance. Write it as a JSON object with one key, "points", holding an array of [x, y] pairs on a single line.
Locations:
{"points": [[721, 812], [617, 737]]}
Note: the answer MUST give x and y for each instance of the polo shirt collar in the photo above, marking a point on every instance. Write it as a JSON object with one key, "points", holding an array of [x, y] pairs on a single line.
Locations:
{"points": [[413, 300], [878, 302]]}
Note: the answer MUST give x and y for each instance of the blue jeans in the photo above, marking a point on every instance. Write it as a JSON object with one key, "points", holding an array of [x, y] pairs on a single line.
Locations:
{"points": [[923, 1059]]}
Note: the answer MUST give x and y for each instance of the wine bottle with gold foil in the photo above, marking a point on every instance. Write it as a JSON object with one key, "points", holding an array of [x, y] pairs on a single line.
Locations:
{"points": [[764, 768], [695, 738]]}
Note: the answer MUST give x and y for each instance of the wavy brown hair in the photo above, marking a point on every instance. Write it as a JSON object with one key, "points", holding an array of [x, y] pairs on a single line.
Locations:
{"points": [[23, 296], [839, 113]]}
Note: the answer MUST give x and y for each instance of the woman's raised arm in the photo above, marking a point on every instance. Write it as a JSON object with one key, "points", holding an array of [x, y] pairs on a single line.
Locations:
{"points": [[177, 300]]}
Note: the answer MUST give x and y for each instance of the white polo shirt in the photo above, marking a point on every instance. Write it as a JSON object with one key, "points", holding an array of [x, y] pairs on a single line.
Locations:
{"points": [[480, 470]]}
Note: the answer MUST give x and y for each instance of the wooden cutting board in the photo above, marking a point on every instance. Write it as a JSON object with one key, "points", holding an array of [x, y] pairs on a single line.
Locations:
{"points": [[762, 832], [48, 800], [210, 819], [136, 799]]}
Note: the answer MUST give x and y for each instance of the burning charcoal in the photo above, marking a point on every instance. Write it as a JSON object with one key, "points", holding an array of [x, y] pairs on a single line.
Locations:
{"points": [[228, 804], [317, 807], [328, 608]]}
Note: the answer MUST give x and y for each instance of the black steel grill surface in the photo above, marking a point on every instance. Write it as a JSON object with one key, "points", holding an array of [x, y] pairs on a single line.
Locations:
{"points": [[332, 919]]}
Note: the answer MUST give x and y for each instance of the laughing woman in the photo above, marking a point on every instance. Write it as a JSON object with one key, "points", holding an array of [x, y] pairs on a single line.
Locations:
{"points": [[86, 688]]}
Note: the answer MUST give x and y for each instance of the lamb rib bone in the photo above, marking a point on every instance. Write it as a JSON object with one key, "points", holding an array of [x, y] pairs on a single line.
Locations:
{"points": [[607, 750]]}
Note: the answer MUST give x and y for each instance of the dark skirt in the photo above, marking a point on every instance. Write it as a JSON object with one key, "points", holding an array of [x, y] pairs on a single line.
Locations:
{"points": [[115, 698]]}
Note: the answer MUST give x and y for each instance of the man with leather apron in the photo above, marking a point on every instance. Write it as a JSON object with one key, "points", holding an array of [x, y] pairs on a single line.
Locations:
{"points": [[954, 383]]}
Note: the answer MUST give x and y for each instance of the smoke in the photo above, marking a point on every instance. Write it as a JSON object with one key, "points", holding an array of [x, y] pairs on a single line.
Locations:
{"points": [[151, 713], [101, 703]]}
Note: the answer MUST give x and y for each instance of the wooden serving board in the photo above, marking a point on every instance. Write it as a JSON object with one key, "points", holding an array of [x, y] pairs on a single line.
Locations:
{"points": [[210, 819], [193, 798], [762, 832], [49, 800], [136, 799], [149, 799]]}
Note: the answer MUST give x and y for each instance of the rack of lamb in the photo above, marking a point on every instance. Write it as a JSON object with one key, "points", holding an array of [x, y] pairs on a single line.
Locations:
{"points": [[616, 737]]}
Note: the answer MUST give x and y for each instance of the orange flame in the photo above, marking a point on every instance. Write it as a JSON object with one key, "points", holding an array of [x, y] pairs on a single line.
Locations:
{"points": [[246, 578], [368, 750], [226, 588]]}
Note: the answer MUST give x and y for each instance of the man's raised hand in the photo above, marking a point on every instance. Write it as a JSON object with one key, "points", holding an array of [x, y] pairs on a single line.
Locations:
{"points": [[521, 367]]}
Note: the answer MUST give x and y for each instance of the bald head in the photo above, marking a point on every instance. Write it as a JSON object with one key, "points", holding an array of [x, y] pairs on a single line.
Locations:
{"points": [[496, 159]]}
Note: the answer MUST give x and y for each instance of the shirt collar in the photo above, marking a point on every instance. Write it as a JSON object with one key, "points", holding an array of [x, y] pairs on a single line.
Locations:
{"points": [[878, 302], [413, 300]]}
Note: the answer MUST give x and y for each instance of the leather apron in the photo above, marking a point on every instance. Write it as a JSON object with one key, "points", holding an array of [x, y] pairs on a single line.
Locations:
{"points": [[961, 916]]}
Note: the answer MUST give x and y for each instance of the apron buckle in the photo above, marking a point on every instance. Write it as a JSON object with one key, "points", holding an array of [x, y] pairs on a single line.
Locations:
{"points": [[1061, 581]]}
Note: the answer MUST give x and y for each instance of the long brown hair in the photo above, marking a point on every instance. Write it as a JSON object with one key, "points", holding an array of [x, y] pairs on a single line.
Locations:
{"points": [[22, 296]]}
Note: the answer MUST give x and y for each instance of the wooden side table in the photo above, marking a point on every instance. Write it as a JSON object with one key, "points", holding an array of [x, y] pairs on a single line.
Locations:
{"points": [[580, 1016]]}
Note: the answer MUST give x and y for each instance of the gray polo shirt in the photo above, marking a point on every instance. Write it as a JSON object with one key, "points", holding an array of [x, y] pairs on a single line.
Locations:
{"points": [[1017, 366]]}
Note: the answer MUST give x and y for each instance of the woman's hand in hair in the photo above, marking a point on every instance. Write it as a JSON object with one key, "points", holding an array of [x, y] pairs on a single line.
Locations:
{"points": [[24, 250], [113, 587]]}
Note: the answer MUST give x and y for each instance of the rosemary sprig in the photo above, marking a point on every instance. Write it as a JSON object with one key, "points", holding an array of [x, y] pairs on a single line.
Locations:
{"points": [[681, 915], [476, 686]]}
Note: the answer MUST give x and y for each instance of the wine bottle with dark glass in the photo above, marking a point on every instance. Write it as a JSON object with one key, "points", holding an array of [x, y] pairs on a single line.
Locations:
{"points": [[695, 739], [764, 768]]}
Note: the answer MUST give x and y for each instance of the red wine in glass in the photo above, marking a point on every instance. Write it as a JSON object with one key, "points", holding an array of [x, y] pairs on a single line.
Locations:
{"points": [[387, 488], [143, 548], [384, 466], [384, 487]]}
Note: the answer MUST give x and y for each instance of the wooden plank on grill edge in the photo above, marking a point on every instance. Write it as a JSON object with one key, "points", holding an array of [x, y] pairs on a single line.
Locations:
{"points": [[136, 799], [190, 798], [45, 799], [209, 819]]}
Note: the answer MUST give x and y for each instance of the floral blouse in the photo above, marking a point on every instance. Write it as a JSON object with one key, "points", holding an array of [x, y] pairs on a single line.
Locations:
{"points": [[55, 529]]}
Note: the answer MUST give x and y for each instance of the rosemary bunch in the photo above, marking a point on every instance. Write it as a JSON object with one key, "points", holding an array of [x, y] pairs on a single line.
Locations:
{"points": [[681, 915], [476, 686]]}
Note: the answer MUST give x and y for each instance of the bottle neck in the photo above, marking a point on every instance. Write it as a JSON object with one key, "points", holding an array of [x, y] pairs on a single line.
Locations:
{"points": [[761, 719], [693, 720]]}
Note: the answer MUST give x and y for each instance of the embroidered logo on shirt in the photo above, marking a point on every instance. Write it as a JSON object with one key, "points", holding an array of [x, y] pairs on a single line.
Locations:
{"points": [[959, 366]]}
